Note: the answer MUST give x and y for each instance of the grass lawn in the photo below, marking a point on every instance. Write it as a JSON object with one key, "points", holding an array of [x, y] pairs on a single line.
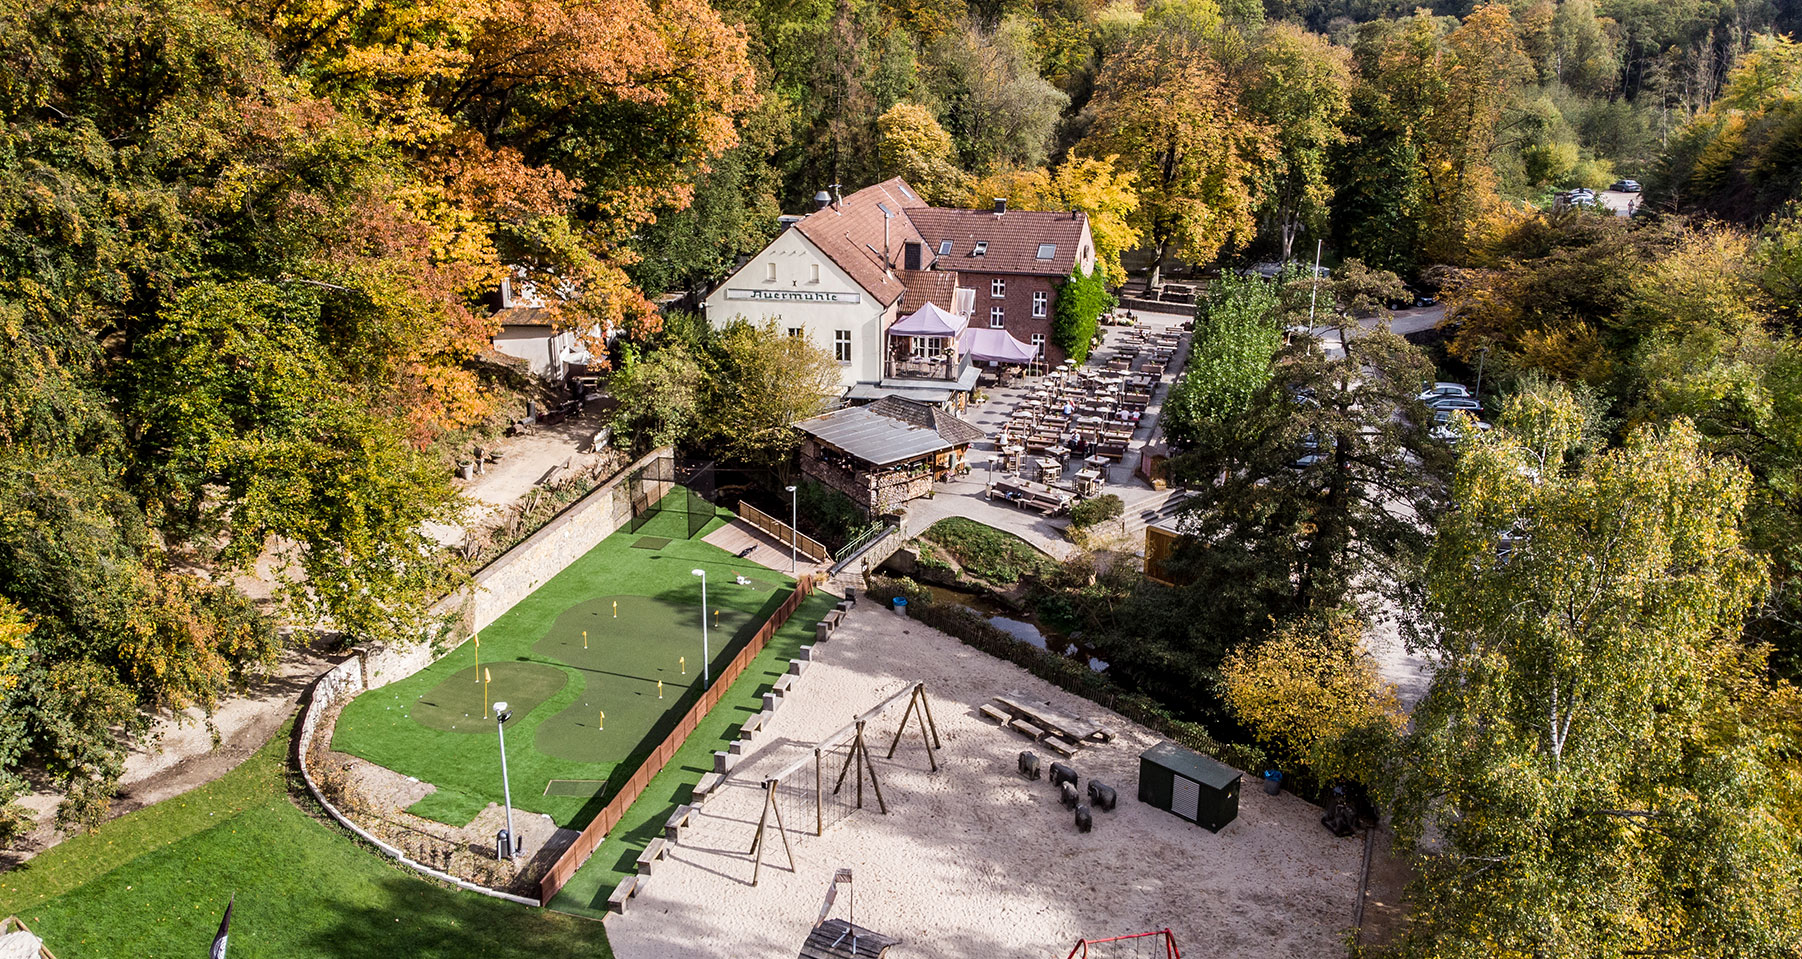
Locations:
{"points": [[154, 884], [586, 892], [597, 665], [986, 552]]}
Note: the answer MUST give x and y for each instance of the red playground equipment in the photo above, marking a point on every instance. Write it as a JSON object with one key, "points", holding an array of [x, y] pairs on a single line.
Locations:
{"points": [[1143, 945]]}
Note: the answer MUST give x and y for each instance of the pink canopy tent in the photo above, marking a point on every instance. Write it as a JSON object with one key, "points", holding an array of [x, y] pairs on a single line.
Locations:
{"points": [[996, 346], [929, 320]]}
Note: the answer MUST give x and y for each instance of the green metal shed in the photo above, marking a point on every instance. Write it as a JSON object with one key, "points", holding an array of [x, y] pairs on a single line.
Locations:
{"points": [[1193, 786]]}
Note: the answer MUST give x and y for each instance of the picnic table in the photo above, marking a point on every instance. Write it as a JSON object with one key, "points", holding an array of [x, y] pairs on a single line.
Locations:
{"points": [[1055, 723]]}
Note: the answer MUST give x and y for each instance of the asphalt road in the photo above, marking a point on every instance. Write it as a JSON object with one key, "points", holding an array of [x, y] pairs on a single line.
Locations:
{"points": [[1407, 321]]}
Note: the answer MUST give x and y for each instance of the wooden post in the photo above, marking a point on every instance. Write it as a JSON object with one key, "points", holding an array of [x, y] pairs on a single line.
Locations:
{"points": [[819, 797], [926, 705], [864, 751]]}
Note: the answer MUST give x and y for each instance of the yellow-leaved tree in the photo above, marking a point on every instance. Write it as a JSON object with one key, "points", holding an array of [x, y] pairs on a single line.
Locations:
{"points": [[1312, 696]]}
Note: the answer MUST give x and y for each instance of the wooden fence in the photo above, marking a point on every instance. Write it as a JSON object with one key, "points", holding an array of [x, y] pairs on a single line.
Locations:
{"points": [[805, 545], [603, 823]]}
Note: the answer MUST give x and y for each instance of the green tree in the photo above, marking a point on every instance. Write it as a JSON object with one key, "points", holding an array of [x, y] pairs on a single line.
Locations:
{"points": [[764, 381], [1237, 336], [1076, 317], [1298, 85], [660, 396], [1583, 760], [248, 431]]}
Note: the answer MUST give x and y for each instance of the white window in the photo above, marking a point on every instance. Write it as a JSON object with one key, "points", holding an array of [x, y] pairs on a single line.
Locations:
{"points": [[998, 288], [1038, 344], [982, 246], [928, 345], [813, 273], [841, 345], [769, 272], [944, 247], [795, 332], [1038, 302], [997, 318]]}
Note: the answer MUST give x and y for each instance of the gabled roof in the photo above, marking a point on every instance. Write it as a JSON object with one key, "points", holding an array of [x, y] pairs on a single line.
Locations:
{"points": [[850, 232], [1013, 239], [928, 286], [946, 424], [890, 431]]}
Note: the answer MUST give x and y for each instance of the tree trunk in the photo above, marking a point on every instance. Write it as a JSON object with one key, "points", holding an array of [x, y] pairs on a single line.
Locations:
{"points": [[1160, 246]]}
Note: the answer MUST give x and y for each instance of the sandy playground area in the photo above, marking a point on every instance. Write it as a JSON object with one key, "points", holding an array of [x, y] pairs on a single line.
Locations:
{"points": [[975, 860]]}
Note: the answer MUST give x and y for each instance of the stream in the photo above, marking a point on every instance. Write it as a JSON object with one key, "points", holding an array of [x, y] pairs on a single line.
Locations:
{"points": [[1024, 630]]}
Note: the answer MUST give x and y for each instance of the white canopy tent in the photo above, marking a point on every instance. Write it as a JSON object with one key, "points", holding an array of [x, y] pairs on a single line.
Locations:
{"points": [[930, 320], [997, 346]]}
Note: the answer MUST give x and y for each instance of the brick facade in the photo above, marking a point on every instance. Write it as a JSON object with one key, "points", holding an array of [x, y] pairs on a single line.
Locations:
{"points": [[1016, 304]]}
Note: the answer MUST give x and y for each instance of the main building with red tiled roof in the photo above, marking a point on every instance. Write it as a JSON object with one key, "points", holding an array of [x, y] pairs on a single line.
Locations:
{"points": [[846, 273]]}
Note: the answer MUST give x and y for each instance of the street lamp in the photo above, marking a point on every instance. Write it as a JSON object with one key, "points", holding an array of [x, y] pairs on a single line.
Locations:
{"points": [[706, 656], [794, 527], [501, 715], [1482, 355]]}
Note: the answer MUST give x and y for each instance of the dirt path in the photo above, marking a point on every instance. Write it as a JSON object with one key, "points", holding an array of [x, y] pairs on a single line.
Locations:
{"points": [[182, 753]]}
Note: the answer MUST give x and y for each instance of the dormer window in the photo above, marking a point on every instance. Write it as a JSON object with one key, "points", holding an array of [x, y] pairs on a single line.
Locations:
{"points": [[982, 246], [944, 248], [1047, 251]]}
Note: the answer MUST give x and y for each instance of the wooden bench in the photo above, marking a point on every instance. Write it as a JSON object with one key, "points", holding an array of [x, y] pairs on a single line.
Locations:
{"points": [[797, 666], [1060, 747], [705, 787], [621, 893], [677, 821], [783, 684], [1025, 728], [752, 727], [651, 854], [996, 714]]}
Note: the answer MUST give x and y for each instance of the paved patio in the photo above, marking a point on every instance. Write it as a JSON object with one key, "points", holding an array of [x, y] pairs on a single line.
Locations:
{"points": [[967, 496]]}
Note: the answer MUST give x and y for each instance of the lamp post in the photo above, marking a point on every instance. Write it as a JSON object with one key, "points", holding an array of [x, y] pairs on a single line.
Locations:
{"points": [[794, 529], [501, 715], [1482, 355], [706, 655]]}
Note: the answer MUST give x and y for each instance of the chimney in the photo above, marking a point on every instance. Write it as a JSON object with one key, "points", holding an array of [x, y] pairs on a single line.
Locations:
{"points": [[838, 199], [822, 200], [1000, 205]]}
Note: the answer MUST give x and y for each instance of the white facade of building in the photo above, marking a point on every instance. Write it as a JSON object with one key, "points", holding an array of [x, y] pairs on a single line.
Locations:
{"points": [[527, 333], [794, 285]]}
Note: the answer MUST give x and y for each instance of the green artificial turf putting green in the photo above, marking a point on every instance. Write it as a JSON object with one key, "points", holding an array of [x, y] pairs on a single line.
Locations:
{"points": [[460, 704], [153, 884], [586, 892], [633, 643], [558, 738]]}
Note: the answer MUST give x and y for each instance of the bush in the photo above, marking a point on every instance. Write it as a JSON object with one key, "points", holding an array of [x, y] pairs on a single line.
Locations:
{"points": [[986, 552], [1077, 314], [1068, 674], [1098, 510]]}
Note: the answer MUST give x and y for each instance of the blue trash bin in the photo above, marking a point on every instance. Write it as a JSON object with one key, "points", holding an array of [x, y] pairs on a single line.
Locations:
{"points": [[1273, 781], [900, 606]]}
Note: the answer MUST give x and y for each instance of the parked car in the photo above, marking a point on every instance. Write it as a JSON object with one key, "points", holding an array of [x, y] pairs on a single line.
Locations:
{"points": [[1625, 186], [1465, 403], [1438, 390]]}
